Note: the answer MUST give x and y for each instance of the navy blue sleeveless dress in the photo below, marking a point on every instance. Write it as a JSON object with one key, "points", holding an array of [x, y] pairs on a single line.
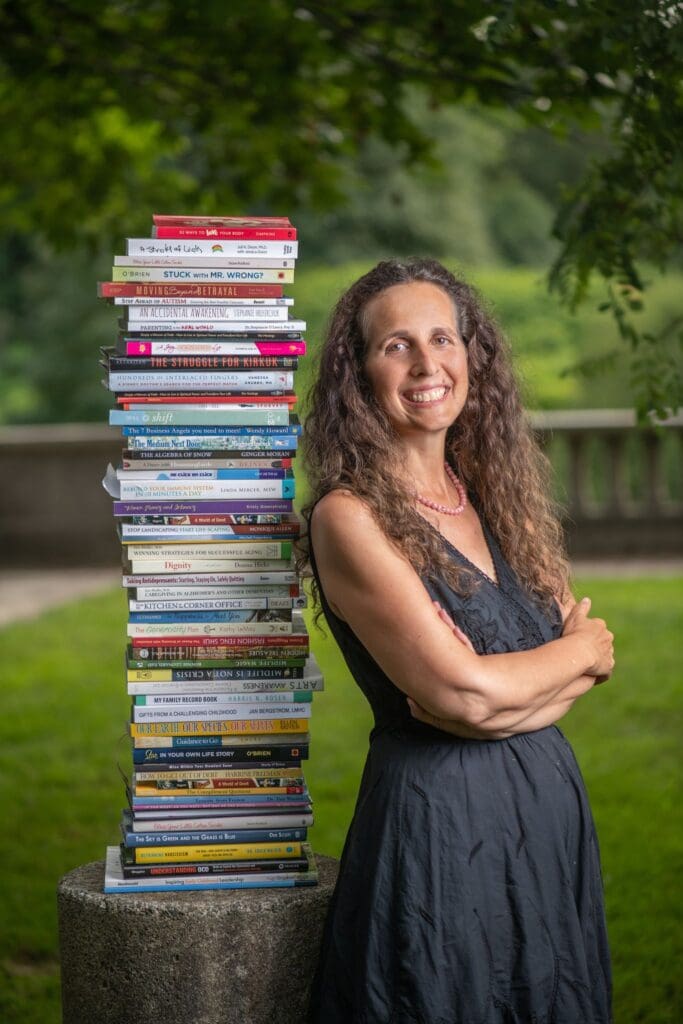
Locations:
{"points": [[469, 889]]}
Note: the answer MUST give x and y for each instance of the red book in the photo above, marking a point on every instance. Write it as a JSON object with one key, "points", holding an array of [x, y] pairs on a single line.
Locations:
{"points": [[147, 289], [252, 234]]}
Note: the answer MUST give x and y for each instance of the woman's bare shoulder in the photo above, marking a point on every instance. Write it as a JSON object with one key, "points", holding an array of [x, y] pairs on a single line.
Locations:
{"points": [[339, 511]]}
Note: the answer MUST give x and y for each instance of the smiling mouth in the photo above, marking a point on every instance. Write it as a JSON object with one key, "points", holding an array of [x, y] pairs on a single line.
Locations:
{"points": [[426, 397]]}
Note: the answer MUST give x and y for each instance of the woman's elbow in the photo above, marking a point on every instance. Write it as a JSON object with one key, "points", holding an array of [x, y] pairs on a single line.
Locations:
{"points": [[460, 702]]}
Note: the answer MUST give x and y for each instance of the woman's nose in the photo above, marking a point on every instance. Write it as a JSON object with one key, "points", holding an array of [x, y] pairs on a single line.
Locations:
{"points": [[424, 361]]}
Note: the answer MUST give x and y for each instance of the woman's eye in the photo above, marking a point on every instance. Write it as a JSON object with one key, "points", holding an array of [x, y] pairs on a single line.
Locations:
{"points": [[442, 339], [396, 346]]}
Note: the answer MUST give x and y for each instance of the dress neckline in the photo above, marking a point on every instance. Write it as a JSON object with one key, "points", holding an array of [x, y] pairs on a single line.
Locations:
{"points": [[492, 548]]}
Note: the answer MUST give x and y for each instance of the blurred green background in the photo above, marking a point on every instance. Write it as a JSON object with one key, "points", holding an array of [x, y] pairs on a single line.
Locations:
{"points": [[491, 136]]}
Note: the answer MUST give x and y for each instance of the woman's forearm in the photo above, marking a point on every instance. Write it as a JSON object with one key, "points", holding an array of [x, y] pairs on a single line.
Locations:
{"points": [[505, 689], [507, 726]]}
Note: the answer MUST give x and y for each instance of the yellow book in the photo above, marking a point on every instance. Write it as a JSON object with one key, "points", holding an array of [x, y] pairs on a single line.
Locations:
{"points": [[221, 851], [258, 726]]}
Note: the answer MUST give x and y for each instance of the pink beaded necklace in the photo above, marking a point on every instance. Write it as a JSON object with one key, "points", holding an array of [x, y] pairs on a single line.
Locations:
{"points": [[446, 509]]}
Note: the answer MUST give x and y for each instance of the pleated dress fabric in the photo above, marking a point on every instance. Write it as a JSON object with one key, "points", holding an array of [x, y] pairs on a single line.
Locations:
{"points": [[469, 889]]}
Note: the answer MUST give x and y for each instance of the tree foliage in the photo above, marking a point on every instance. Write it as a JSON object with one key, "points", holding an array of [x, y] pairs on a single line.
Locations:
{"points": [[113, 109]]}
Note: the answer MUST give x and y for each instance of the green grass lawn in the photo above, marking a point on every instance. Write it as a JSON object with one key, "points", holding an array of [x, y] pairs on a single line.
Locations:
{"points": [[62, 729]]}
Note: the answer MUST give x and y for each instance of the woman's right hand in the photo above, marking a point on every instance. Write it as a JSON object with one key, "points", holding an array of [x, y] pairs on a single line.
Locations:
{"points": [[594, 632]]}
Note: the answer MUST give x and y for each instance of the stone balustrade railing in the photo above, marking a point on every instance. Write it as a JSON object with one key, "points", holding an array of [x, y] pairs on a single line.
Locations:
{"points": [[621, 487]]}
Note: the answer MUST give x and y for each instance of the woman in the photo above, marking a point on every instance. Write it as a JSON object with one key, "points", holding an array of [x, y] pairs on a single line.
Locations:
{"points": [[469, 888]]}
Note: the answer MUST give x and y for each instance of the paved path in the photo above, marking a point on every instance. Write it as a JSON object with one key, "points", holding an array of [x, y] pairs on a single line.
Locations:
{"points": [[25, 593]]}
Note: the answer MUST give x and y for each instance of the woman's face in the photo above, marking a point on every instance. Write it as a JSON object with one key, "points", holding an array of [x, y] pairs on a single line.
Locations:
{"points": [[416, 361]]}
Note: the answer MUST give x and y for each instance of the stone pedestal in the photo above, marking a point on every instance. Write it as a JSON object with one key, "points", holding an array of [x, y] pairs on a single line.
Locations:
{"points": [[231, 957]]}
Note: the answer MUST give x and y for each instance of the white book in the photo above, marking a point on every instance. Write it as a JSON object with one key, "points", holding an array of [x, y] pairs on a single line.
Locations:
{"points": [[180, 698], [239, 549], [212, 593], [209, 275], [224, 712], [201, 380], [234, 262], [206, 312], [231, 688], [200, 490], [136, 324], [208, 565], [211, 248], [177, 630], [219, 604], [219, 823]]}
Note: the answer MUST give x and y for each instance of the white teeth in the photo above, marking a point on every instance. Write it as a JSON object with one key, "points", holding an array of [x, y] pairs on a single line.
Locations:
{"points": [[426, 396]]}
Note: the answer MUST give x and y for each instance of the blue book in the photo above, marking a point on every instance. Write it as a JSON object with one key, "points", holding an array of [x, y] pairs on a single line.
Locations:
{"points": [[253, 835], [295, 800], [229, 615]]}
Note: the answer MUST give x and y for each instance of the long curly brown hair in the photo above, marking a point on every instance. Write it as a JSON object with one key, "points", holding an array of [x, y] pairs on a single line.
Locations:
{"points": [[349, 443]]}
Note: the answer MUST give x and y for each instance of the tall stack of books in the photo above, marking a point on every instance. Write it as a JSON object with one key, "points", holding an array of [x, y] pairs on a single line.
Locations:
{"points": [[217, 662]]}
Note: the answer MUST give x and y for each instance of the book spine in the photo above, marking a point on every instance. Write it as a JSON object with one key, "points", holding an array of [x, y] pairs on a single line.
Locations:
{"points": [[256, 433], [238, 743], [183, 274], [236, 777], [224, 549], [237, 679], [236, 447], [229, 349], [245, 593], [236, 234], [221, 727], [213, 311], [219, 605], [210, 248], [164, 364], [222, 802], [182, 302], [210, 615], [227, 416], [212, 851], [200, 694], [206, 641], [220, 836], [201, 220], [222, 712], [214, 630], [200, 490], [158, 459], [174, 756], [200, 380], [111, 289], [212, 327], [180, 508], [222, 578], [232, 262]]}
